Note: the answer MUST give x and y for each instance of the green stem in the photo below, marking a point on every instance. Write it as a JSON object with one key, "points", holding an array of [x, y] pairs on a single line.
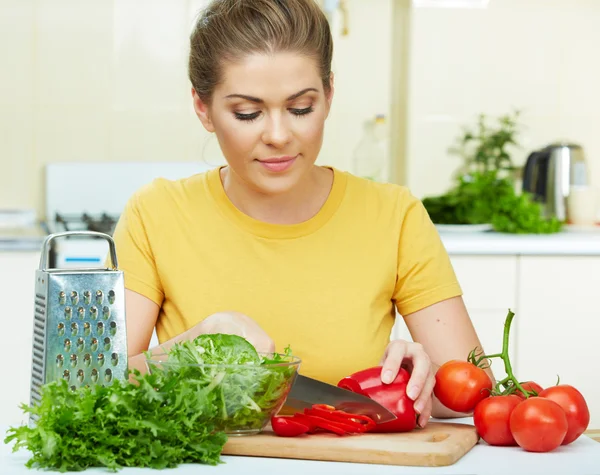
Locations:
{"points": [[510, 377]]}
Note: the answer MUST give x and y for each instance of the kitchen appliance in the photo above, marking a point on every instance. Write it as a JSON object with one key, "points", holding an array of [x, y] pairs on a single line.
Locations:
{"points": [[307, 391], [79, 322], [550, 173], [438, 444]]}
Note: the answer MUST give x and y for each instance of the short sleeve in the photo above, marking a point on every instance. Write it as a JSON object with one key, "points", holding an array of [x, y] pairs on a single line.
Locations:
{"points": [[134, 252], [425, 273]]}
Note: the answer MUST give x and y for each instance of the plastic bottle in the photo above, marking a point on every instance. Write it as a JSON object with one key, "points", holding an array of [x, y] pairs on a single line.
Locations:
{"points": [[370, 155]]}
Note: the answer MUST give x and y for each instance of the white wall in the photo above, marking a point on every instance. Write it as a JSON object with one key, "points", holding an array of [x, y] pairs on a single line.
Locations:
{"points": [[537, 55]]}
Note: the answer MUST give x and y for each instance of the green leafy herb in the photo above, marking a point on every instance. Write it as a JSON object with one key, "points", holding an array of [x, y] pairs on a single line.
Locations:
{"points": [[177, 413], [484, 190]]}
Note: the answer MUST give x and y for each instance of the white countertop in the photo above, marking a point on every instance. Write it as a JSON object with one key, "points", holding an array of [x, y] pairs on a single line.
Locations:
{"points": [[571, 241], [579, 458]]}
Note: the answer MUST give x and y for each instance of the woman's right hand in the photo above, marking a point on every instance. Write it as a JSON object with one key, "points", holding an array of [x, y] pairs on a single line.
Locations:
{"points": [[234, 323]]}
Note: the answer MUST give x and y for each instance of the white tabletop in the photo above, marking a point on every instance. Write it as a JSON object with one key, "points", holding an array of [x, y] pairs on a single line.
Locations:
{"points": [[582, 457]]}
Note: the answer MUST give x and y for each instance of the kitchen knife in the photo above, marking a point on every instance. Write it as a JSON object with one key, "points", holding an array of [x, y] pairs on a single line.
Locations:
{"points": [[307, 391]]}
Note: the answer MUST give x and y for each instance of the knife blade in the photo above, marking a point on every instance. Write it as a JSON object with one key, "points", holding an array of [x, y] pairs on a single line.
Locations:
{"points": [[307, 391]]}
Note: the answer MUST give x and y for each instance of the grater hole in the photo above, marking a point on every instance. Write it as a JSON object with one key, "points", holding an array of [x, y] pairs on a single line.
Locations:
{"points": [[80, 376], [113, 328], [87, 297], [68, 313], [66, 374], [94, 375], [80, 344], [62, 298], [74, 298], [94, 344], [100, 359], [60, 360], [61, 329], [73, 388], [111, 297], [87, 359], [99, 296], [73, 361], [108, 375], [106, 312], [87, 329], [81, 313], [114, 359], [100, 328], [107, 343], [74, 329], [67, 344], [93, 313]]}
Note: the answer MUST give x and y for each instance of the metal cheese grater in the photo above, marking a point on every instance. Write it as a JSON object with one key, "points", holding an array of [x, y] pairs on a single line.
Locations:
{"points": [[79, 322]]}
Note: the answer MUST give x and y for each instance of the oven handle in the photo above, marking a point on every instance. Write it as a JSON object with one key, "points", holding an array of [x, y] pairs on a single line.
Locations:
{"points": [[51, 237]]}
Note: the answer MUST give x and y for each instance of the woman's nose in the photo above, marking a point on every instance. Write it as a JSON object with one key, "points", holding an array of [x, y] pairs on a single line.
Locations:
{"points": [[276, 131]]}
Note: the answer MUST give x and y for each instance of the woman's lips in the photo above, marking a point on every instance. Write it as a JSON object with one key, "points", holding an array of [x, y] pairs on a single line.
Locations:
{"points": [[278, 164]]}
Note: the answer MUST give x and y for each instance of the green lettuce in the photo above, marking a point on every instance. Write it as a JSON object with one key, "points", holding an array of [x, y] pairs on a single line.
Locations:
{"points": [[176, 413]]}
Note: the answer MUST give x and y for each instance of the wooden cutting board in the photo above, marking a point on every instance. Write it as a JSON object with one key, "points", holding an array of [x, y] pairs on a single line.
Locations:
{"points": [[437, 445]]}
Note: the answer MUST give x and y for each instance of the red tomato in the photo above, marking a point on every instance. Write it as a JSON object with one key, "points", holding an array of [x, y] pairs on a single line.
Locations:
{"points": [[460, 385], [529, 386], [492, 416], [575, 407], [538, 424]]}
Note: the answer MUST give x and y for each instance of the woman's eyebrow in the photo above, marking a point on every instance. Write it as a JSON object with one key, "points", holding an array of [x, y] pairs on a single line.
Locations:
{"points": [[260, 101]]}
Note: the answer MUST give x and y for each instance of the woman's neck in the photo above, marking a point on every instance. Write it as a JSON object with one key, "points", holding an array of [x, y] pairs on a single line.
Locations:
{"points": [[296, 206]]}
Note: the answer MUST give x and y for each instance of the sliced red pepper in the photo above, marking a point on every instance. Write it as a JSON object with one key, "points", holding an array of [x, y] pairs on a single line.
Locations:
{"points": [[390, 395], [394, 398], [370, 378], [286, 426], [360, 422], [305, 420]]}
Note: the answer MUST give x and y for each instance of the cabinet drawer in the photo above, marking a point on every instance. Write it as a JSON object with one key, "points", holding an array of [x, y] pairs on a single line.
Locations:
{"points": [[488, 282]]}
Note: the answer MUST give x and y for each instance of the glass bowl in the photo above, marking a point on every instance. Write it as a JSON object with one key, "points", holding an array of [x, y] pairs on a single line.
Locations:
{"points": [[241, 398]]}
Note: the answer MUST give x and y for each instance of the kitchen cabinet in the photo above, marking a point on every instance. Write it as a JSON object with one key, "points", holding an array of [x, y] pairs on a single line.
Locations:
{"points": [[559, 324], [17, 288], [489, 286]]}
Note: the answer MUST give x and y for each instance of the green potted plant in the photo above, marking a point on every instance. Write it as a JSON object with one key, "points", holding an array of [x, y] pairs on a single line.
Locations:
{"points": [[484, 191]]}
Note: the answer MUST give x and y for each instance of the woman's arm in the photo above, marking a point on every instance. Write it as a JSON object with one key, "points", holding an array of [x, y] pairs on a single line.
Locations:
{"points": [[446, 332]]}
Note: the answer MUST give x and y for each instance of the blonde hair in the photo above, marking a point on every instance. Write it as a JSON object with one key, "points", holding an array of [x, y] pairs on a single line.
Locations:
{"points": [[227, 30]]}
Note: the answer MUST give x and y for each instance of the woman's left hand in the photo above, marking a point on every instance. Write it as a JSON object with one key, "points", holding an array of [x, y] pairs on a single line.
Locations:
{"points": [[413, 357]]}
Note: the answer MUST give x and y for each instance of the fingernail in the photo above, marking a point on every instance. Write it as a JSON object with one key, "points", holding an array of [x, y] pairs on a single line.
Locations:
{"points": [[387, 376], [419, 407], [423, 423], [412, 392]]}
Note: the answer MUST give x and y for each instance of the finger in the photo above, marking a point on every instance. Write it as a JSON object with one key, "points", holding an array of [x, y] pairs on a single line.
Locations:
{"points": [[425, 395], [395, 355], [426, 414], [420, 372]]}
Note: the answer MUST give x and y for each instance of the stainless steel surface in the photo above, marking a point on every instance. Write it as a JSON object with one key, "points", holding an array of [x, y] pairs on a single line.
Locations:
{"points": [[51, 237], [307, 391], [550, 172], [69, 338]]}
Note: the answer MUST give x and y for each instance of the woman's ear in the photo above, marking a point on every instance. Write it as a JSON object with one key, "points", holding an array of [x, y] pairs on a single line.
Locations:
{"points": [[202, 112]]}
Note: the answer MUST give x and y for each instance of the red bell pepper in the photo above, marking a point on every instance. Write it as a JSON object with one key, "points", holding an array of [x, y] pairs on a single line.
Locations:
{"points": [[392, 396], [287, 426], [321, 417]]}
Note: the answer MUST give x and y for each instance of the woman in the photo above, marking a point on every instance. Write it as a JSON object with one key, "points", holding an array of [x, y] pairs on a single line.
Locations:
{"points": [[273, 247]]}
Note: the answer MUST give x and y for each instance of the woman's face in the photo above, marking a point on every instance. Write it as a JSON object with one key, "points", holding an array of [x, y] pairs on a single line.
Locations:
{"points": [[268, 114]]}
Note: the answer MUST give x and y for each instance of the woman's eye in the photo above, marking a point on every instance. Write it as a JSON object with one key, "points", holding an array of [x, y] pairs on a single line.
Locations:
{"points": [[246, 117], [304, 111]]}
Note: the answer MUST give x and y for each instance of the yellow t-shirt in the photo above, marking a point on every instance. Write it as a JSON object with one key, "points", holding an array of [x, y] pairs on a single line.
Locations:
{"points": [[327, 287]]}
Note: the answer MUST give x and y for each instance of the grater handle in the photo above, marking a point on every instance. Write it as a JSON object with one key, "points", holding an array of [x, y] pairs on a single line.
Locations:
{"points": [[51, 237]]}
